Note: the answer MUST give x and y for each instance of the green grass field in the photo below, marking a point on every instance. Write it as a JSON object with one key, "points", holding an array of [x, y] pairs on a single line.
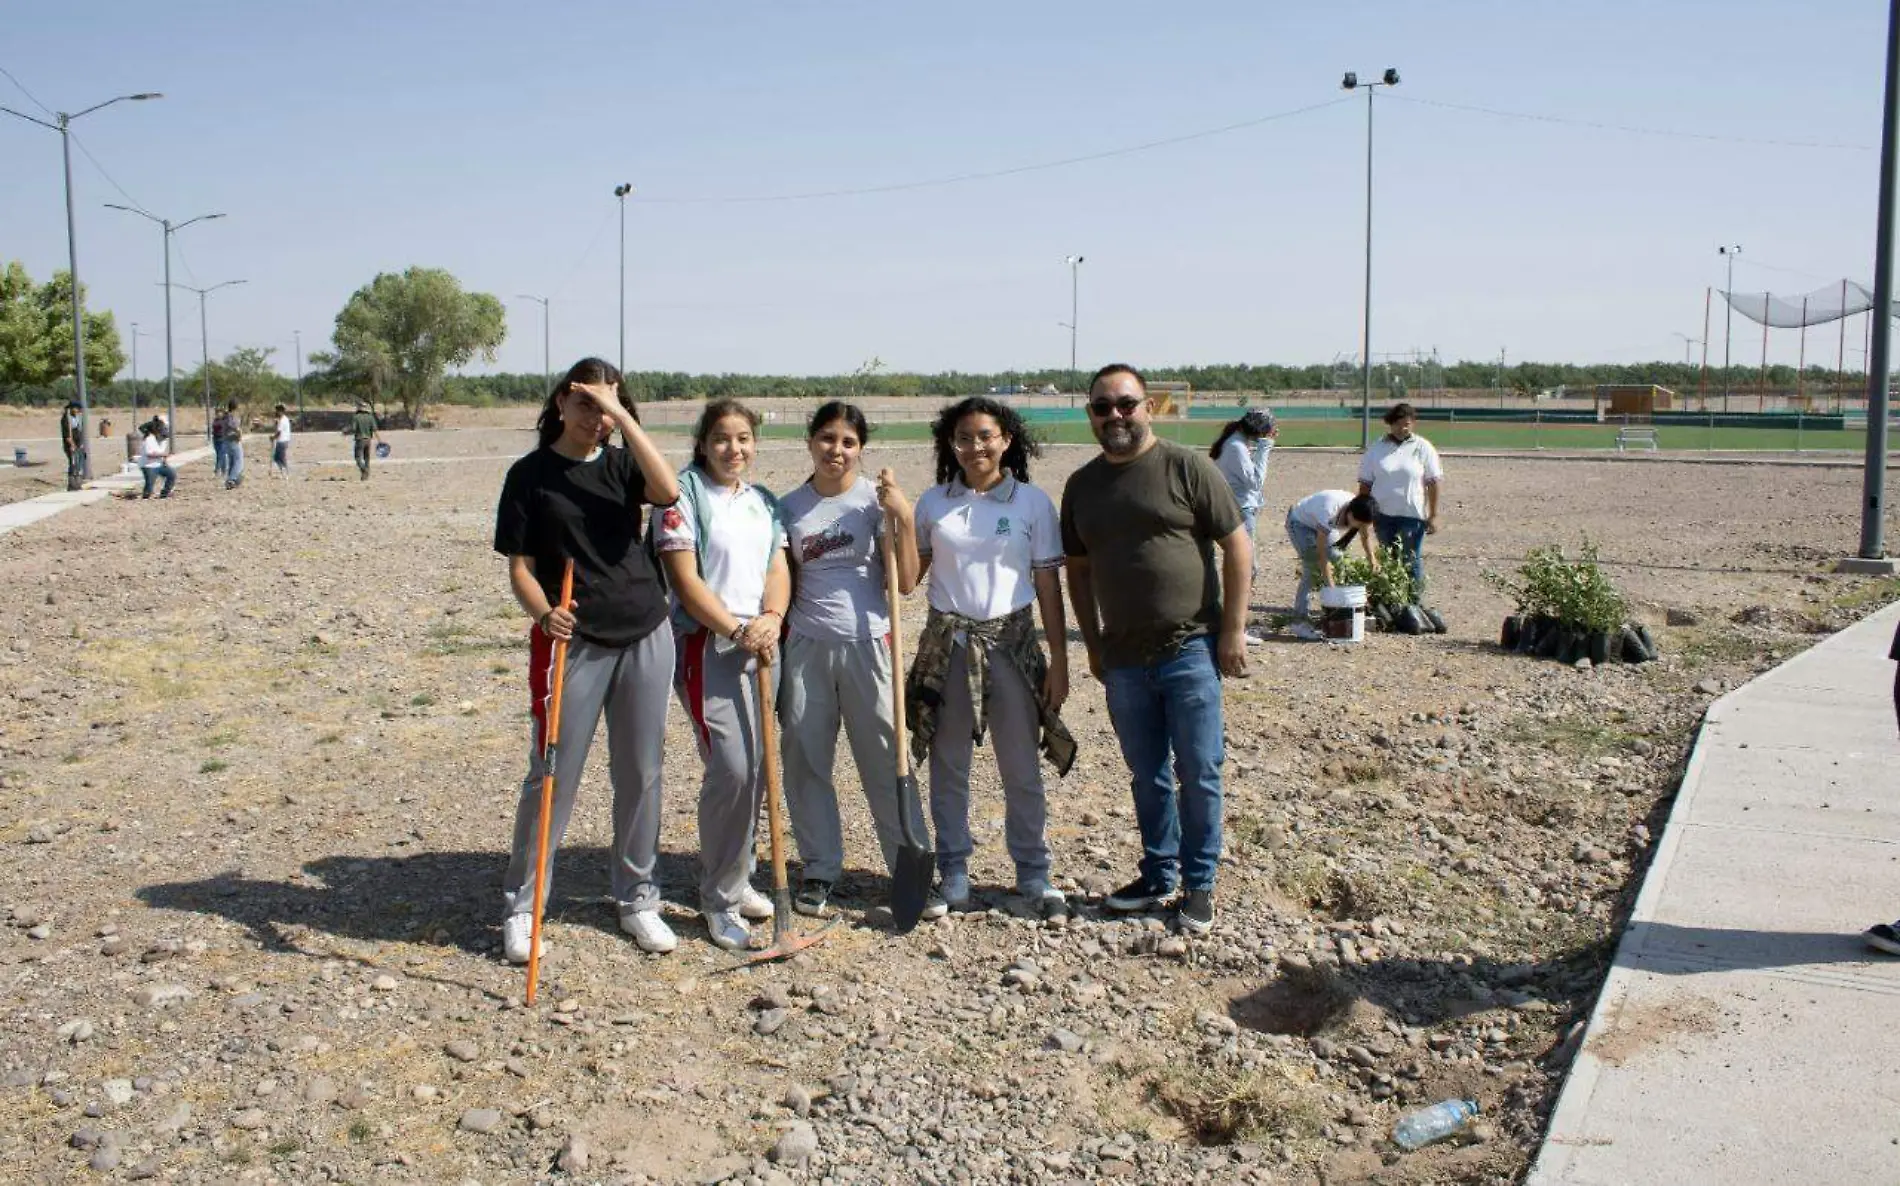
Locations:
{"points": [[1460, 436]]}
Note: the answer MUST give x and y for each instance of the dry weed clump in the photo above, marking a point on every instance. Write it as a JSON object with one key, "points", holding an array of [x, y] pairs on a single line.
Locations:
{"points": [[1228, 1105]]}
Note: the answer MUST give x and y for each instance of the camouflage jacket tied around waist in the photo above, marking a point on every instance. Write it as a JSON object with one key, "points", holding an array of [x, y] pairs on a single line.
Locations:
{"points": [[1009, 639]]}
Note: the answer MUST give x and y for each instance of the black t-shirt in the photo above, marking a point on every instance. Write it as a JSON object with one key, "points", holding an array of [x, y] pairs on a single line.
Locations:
{"points": [[1895, 652], [553, 508]]}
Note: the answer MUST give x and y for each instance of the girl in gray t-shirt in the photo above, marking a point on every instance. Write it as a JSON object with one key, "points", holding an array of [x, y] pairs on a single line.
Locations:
{"points": [[837, 649]]}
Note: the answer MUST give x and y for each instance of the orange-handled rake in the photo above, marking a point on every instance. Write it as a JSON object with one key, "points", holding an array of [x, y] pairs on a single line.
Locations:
{"points": [[550, 751]]}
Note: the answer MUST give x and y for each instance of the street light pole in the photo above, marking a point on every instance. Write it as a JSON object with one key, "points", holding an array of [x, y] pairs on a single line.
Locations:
{"points": [[621, 191], [1874, 481], [1728, 317], [171, 382], [1351, 82], [1075, 291], [1687, 342], [135, 374], [547, 372], [204, 339], [63, 126], [297, 334]]}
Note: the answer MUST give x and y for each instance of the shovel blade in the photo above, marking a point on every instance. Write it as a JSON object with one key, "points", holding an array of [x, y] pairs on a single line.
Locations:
{"points": [[786, 943], [910, 886]]}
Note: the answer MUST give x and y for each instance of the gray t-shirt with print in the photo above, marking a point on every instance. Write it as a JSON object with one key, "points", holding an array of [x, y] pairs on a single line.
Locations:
{"points": [[837, 570]]}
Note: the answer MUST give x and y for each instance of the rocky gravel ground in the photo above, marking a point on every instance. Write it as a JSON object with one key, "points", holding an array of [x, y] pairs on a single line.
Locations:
{"points": [[259, 753]]}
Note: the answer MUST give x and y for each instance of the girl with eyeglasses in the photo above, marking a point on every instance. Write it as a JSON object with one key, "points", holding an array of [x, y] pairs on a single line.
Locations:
{"points": [[990, 545]]}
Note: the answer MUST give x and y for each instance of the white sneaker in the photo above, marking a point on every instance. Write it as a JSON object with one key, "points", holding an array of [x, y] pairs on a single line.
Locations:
{"points": [[517, 932], [755, 905], [728, 930], [1306, 632], [650, 932], [1254, 640]]}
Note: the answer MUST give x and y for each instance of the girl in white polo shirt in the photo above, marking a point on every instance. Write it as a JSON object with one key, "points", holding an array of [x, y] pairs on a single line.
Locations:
{"points": [[724, 552], [990, 545]]}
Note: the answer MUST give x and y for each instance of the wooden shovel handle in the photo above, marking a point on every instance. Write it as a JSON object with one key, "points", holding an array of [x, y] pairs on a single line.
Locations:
{"points": [[902, 737]]}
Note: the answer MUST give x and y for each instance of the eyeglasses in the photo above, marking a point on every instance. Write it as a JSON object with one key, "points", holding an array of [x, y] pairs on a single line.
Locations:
{"points": [[963, 443], [1126, 406]]}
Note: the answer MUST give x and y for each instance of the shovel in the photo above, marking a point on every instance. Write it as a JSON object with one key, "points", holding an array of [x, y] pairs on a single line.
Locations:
{"points": [[785, 943], [916, 865]]}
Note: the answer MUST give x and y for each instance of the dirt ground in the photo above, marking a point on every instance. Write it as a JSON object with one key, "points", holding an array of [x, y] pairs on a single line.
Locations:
{"points": [[260, 753]]}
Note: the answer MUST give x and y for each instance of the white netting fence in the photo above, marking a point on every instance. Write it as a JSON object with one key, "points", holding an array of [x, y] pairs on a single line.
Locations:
{"points": [[1843, 298]]}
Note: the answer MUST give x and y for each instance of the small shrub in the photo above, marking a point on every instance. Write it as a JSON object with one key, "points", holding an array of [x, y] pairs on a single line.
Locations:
{"points": [[1575, 592], [422, 700], [1389, 585], [213, 766], [1221, 1106]]}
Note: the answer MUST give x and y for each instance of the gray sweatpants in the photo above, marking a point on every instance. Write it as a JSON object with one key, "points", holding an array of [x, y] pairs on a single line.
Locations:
{"points": [[826, 681], [715, 682], [628, 686], [1014, 731]]}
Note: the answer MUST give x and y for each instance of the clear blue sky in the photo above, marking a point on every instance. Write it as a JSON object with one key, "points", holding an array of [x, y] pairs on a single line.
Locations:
{"points": [[352, 138]]}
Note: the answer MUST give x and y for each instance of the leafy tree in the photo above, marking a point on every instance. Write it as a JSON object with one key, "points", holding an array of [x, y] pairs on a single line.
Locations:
{"points": [[244, 375], [36, 332], [400, 333]]}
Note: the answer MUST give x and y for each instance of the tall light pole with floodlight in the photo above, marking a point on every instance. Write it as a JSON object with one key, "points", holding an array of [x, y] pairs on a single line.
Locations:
{"points": [[1075, 290], [204, 339], [1729, 251], [63, 125], [621, 191], [547, 372], [171, 384], [1351, 82], [1687, 342], [135, 374], [297, 337]]}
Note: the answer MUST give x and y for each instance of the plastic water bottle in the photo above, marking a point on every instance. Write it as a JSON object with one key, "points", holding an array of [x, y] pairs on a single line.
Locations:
{"points": [[1418, 1129]]}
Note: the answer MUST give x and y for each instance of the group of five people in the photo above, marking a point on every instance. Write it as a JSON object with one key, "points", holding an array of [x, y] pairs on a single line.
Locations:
{"points": [[727, 576]]}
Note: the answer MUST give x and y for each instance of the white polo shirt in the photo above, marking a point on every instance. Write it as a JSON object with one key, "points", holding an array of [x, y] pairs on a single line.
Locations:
{"points": [[1398, 474], [738, 553], [985, 548]]}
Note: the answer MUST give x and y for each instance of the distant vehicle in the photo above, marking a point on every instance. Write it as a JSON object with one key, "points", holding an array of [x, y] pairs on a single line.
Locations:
{"points": [[1050, 389], [1009, 389]]}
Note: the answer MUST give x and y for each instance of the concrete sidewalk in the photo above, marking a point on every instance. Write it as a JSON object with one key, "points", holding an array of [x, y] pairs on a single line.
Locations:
{"points": [[1745, 1034], [15, 515]]}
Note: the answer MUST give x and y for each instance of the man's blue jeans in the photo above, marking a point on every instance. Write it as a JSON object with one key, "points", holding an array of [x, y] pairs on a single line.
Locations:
{"points": [[1410, 533], [1172, 710]]}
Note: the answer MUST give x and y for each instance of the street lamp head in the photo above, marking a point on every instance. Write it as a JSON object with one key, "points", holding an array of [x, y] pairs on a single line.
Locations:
{"points": [[1349, 82], [621, 191], [1391, 76], [146, 95]]}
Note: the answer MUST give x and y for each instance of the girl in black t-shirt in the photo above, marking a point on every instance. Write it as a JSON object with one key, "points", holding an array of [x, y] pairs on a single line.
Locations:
{"points": [[577, 497]]}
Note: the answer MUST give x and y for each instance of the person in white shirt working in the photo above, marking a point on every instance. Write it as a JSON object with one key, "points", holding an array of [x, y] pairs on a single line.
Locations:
{"points": [[280, 445], [1402, 476]]}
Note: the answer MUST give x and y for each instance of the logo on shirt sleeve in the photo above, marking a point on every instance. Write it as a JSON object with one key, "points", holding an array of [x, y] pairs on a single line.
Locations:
{"points": [[673, 520]]}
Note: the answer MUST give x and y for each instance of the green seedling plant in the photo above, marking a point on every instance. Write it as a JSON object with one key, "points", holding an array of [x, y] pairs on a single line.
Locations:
{"points": [[1578, 593], [1390, 585]]}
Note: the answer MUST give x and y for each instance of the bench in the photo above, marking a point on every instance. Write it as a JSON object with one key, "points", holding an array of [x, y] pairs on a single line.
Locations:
{"points": [[1634, 435]]}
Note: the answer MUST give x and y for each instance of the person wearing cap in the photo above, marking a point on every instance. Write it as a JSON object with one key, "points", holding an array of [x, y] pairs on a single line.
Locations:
{"points": [[363, 428], [1402, 476], [72, 439]]}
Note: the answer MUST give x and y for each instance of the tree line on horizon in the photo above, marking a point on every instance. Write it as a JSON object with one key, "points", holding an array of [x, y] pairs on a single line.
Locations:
{"points": [[398, 337]]}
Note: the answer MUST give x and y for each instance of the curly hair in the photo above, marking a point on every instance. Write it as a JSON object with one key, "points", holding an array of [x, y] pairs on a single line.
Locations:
{"points": [[1022, 446]]}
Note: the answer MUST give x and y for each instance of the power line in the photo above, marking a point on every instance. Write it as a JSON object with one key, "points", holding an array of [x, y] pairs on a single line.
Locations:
{"points": [[991, 174], [586, 253], [1630, 128], [29, 94], [87, 153]]}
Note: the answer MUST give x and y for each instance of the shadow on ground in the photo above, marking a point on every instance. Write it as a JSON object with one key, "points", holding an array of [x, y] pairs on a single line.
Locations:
{"points": [[447, 898]]}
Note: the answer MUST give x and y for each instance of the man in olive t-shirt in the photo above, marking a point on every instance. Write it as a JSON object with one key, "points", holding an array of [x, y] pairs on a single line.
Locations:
{"points": [[1162, 624], [363, 428]]}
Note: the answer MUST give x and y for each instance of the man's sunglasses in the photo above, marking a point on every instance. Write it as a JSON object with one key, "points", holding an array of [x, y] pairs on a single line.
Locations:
{"points": [[1126, 405]]}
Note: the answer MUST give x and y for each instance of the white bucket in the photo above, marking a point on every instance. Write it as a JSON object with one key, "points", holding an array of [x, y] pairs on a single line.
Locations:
{"points": [[1344, 616]]}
